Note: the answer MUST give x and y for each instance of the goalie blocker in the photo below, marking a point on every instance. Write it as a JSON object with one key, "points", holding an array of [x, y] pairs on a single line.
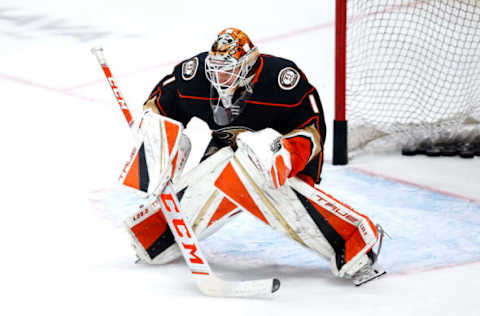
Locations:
{"points": [[231, 182]]}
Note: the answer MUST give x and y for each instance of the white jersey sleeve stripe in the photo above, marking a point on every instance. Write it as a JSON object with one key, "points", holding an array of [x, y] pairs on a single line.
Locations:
{"points": [[313, 103], [172, 79]]}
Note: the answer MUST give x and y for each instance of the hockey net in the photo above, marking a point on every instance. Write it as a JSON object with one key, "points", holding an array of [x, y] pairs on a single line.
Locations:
{"points": [[412, 74]]}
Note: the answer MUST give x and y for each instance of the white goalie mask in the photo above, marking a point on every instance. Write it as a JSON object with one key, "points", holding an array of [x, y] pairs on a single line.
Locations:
{"points": [[229, 65]]}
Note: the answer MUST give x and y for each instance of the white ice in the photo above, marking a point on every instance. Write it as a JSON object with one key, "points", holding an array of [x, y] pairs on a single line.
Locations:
{"points": [[65, 251]]}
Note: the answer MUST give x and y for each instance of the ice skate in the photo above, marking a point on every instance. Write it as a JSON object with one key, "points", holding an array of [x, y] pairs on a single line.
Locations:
{"points": [[368, 272], [372, 269]]}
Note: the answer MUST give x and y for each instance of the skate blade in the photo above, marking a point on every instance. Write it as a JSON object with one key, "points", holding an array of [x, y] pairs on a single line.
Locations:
{"points": [[370, 279]]}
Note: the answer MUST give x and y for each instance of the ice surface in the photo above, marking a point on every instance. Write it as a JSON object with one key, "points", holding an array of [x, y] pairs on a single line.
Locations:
{"points": [[65, 142]]}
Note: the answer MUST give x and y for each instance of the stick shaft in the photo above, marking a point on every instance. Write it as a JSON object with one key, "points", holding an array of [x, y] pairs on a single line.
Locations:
{"points": [[98, 52], [183, 233]]}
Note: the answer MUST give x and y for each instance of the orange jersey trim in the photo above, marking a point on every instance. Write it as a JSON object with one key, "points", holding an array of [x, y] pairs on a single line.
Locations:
{"points": [[159, 89], [159, 106], [259, 70], [194, 97], [157, 99], [281, 104], [320, 155]]}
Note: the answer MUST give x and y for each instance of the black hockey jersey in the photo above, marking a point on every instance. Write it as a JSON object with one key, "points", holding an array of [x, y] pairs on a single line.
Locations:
{"points": [[282, 99]]}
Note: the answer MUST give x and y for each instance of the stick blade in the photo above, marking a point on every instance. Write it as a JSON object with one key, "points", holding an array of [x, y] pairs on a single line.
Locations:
{"points": [[214, 286]]}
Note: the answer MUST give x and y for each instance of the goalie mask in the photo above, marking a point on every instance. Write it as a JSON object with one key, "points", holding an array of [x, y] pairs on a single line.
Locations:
{"points": [[229, 66]]}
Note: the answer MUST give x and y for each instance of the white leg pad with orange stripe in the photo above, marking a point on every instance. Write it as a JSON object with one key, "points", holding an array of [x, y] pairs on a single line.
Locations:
{"points": [[243, 184], [203, 204], [313, 221], [205, 208], [161, 153], [357, 229], [166, 147]]}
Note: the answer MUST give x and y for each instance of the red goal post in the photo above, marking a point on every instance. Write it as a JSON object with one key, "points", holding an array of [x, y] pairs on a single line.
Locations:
{"points": [[340, 130], [407, 75]]}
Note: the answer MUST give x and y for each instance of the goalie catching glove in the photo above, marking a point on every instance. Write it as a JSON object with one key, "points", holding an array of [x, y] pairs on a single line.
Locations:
{"points": [[278, 157]]}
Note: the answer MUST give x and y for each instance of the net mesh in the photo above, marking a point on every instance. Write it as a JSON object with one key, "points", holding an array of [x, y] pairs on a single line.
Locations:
{"points": [[413, 73]]}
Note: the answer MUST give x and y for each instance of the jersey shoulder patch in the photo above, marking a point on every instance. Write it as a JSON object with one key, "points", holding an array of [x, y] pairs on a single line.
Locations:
{"points": [[288, 78], [189, 68]]}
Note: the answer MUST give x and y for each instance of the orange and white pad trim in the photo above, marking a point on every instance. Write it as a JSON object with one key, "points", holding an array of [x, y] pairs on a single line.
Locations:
{"points": [[232, 185], [351, 230], [245, 185], [308, 215], [201, 202], [156, 156]]}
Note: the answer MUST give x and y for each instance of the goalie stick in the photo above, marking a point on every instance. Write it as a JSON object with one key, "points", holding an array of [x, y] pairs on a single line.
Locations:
{"points": [[167, 201], [98, 52]]}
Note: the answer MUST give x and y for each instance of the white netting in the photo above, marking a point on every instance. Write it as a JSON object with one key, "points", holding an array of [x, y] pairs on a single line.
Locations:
{"points": [[413, 72]]}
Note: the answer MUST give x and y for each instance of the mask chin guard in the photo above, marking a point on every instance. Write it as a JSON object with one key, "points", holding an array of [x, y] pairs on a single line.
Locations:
{"points": [[223, 110]]}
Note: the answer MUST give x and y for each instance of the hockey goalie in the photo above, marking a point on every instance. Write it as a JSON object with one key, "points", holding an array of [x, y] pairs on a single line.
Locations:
{"points": [[265, 157]]}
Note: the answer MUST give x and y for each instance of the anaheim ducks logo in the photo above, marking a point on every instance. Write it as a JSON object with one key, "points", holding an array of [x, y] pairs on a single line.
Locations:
{"points": [[288, 78], [189, 68], [228, 135]]}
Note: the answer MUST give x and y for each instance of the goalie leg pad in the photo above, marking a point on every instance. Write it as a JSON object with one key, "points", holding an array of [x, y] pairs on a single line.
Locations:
{"points": [[308, 215], [160, 153], [243, 184], [203, 204], [150, 234], [204, 207], [350, 233]]}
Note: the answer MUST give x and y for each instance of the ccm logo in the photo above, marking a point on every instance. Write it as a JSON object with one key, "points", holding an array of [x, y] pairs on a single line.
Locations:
{"points": [[181, 229], [121, 101]]}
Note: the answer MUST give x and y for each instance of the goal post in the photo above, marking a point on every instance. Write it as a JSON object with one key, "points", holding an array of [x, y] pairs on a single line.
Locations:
{"points": [[340, 130], [407, 75]]}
